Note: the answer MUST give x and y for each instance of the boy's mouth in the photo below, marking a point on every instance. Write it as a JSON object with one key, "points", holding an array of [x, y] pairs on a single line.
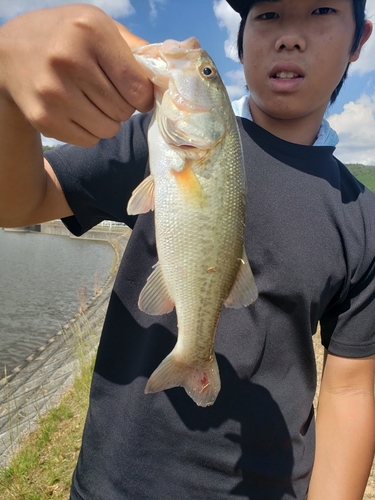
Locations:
{"points": [[286, 75], [286, 70]]}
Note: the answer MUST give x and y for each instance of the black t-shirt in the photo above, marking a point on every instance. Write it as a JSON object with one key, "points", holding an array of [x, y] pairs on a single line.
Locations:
{"points": [[310, 239]]}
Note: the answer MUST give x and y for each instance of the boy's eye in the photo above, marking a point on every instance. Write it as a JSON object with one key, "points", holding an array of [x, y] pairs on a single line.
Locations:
{"points": [[323, 10], [268, 15]]}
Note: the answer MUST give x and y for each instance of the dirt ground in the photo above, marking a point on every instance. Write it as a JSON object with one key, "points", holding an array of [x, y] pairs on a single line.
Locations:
{"points": [[370, 490]]}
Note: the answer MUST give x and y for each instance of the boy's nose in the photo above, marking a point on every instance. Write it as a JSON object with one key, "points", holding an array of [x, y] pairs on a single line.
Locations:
{"points": [[290, 41]]}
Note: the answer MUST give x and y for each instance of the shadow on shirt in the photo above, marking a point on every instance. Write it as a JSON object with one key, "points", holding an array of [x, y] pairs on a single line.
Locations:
{"points": [[245, 420]]}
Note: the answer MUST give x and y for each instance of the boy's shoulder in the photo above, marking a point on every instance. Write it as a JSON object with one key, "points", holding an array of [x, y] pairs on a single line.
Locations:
{"points": [[292, 172]]}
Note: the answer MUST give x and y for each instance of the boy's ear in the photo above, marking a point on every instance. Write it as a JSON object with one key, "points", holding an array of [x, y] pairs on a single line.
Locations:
{"points": [[365, 36]]}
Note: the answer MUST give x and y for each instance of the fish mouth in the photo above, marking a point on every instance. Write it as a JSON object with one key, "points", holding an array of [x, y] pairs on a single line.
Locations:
{"points": [[175, 48]]}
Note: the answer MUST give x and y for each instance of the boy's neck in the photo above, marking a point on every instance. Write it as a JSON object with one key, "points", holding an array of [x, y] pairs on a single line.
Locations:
{"points": [[302, 130]]}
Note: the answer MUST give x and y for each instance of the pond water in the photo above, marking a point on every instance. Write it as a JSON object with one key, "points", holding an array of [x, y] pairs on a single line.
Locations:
{"points": [[43, 279]]}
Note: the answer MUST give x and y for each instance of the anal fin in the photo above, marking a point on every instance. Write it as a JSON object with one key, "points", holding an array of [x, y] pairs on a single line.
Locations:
{"points": [[244, 291]]}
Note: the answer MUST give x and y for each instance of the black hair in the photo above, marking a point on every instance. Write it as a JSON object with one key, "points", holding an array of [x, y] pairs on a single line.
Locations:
{"points": [[359, 18]]}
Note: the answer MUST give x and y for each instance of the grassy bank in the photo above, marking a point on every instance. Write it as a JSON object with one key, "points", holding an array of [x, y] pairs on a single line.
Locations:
{"points": [[43, 468], [364, 173]]}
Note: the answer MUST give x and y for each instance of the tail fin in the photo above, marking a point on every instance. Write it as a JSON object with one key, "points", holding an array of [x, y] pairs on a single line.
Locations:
{"points": [[201, 382]]}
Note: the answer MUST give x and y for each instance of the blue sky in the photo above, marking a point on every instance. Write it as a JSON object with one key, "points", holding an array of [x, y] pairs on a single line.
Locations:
{"points": [[215, 25]]}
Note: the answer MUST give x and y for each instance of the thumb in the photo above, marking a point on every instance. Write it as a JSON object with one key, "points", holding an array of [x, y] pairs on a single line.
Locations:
{"points": [[120, 66], [129, 37]]}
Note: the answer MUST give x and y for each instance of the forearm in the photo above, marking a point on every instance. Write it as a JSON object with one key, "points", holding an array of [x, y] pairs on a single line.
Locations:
{"points": [[345, 445], [22, 175]]}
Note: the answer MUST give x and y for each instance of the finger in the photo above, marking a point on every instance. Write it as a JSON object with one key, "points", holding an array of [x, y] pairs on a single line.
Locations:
{"points": [[75, 119], [66, 77], [130, 38], [104, 95], [92, 119], [73, 133], [126, 75]]}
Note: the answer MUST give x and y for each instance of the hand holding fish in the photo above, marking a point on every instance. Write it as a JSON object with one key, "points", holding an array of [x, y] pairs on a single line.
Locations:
{"points": [[198, 191], [71, 73]]}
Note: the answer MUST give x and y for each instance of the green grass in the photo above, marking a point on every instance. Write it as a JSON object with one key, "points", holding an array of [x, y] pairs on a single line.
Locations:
{"points": [[43, 468], [364, 173]]}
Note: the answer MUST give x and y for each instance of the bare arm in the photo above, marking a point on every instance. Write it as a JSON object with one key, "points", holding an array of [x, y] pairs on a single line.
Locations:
{"points": [[345, 433], [67, 73]]}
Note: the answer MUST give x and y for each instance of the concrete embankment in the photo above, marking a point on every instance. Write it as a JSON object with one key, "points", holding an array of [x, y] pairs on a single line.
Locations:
{"points": [[37, 384], [57, 228], [104, 233]]}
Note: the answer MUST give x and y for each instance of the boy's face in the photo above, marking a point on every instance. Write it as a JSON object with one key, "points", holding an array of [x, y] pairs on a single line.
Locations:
{"points": [[295, 53]]}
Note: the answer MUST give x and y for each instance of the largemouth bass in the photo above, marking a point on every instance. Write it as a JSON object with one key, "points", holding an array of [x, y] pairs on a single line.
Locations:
{"points": [[197, 188]]}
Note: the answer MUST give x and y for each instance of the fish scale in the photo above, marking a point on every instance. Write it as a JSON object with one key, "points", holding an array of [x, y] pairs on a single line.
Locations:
{"points": [[197, 188]]}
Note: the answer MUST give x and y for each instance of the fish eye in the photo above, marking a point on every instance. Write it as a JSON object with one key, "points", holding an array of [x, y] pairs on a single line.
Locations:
{"points": [[208, 71]]}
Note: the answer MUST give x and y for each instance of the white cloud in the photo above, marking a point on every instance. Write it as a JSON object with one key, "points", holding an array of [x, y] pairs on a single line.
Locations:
{"points": [[229, 20], [236, 86], [154, 5], [49, 141], [356, 129], [153, 10], [12, 8]]}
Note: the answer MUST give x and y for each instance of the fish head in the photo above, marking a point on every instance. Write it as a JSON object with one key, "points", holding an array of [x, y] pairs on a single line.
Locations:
{"points": [[157, 59], [192, 106]]}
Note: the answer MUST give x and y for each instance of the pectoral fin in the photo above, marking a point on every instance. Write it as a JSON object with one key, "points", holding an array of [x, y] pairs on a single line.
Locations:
{"points": [[154, 298], [142, 198], [244, 291]]}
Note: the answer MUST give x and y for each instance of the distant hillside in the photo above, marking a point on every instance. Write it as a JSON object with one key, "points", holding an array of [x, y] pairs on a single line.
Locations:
{"points": [[364, 173]]}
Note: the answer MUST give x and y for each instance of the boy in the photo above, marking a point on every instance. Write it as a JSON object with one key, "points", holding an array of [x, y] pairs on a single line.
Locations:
{"points": [[309, 236]]}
